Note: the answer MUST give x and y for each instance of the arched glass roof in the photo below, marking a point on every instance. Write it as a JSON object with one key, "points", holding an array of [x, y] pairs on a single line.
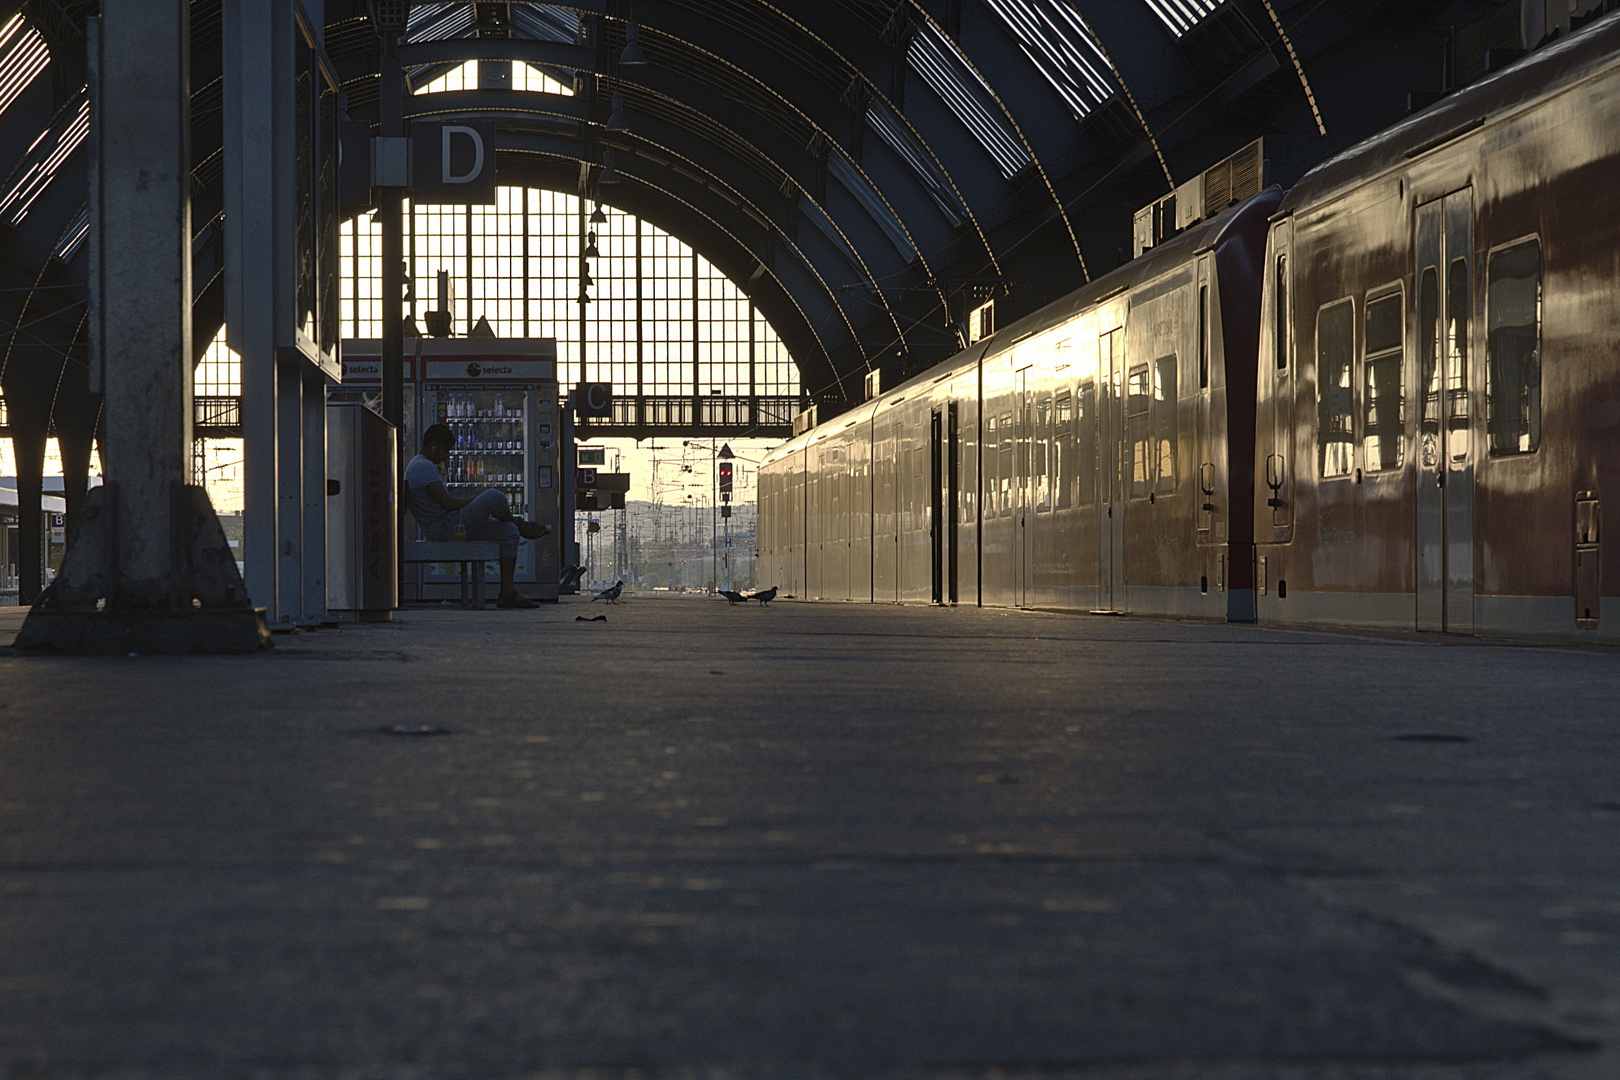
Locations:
{"points": [[867, 170]]}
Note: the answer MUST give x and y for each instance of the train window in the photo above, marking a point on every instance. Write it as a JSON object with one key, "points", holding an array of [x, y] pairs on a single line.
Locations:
{"points": [[1203, 337], [1513, 348], [987, 466], [1428, 341], [1459, 301], [1280, 305], [1085, 444], [1165, 418], [1383, 398], [1044, 465], [1138, 432], [1062, 450], [1004, 472], [1335, 416]]}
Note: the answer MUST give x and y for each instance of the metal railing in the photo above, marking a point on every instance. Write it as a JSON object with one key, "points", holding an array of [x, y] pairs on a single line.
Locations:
{"points": [[764, 415]]}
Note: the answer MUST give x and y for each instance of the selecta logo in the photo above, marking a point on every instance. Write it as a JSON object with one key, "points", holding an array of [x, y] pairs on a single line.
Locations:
{"points": [[473, 370]]}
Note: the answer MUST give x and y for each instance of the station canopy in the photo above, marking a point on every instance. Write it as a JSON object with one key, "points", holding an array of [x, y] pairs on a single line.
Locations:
{"points": [[870, 172]]}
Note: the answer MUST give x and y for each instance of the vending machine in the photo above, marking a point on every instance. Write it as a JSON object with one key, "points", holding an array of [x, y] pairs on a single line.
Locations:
{"points": [[499, 399]]}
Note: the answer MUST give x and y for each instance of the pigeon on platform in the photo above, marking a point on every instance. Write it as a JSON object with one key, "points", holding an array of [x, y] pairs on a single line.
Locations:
{"points": [[764, 596], [732, 597], [610, 594]]}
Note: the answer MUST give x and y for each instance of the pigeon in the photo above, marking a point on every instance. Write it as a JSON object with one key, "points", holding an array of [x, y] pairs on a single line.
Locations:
{"points": [[610, 594], [732, 597], [764, 596]]}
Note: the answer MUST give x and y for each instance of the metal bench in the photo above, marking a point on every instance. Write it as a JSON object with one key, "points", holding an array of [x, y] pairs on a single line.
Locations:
{"points": [[469, 553]]}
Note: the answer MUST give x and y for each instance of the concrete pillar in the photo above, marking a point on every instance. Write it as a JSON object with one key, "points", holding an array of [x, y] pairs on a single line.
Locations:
{"points": [[142, 323], [250, 41], [148, 568]]}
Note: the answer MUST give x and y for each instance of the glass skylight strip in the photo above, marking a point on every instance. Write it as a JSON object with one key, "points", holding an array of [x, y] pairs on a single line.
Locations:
{"points": [[846, 174], [423, 13], [38, 176], [23, 55], [1182, 15], [964, 93], [73, 239], [1060, 45], [451, 20], [895, 135], [543, 22]]}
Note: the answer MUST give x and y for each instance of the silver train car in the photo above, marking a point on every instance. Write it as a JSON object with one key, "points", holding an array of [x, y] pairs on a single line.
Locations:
{"points": [[1081, 458], [1439, 395], [1390, 399]]}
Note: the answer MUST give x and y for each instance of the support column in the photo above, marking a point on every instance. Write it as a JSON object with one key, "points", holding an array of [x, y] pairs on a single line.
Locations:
{"points": [[249, 39], [314, 472], [289, 406], [391, 216], [265, 102], [148, 569], [143, 283]]}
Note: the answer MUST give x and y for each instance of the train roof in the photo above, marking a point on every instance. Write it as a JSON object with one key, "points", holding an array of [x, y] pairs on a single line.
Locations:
{"points": [[1165, 258], [1543, 74]]}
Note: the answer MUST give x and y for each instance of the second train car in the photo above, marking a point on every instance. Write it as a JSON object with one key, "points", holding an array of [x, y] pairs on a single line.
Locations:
{"points": [[1096, 455]]}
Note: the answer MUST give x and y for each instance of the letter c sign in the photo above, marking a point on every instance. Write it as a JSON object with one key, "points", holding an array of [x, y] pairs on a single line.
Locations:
{"points": [[596, 400]]}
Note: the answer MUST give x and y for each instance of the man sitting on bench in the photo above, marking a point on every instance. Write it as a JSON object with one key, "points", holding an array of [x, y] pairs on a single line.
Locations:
{"points": [[487, 516]]}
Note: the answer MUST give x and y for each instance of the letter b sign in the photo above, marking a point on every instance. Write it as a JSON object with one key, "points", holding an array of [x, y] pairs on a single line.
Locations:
{"points": [[452, 163]]}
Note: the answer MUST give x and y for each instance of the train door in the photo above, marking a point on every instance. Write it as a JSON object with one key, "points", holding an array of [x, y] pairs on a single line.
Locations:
{"points": [[1023, 482], [1275, 431], [936, 497], [1204, 421], [1444, 544], [1110, 497], [953, 487], [813, 523]]}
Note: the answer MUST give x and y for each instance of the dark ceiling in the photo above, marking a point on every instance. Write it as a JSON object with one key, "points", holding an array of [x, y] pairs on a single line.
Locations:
{"points": [[867, 170]]}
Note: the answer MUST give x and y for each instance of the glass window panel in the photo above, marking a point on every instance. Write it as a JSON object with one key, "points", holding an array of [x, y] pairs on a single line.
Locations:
{"points": [[1459, 308], [1513, 348], [1138, 433], [1383, 400], [1280, 330], [1335, 356], [1428, 341], [1085, 444], [1166, 421], [662, 319]]}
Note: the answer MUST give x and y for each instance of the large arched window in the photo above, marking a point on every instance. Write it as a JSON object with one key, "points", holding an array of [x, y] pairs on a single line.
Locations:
{"points": [[661, 319]]}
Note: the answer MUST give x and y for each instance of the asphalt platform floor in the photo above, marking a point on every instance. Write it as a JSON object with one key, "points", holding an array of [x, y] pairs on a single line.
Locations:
{"points": [[812, 841]]}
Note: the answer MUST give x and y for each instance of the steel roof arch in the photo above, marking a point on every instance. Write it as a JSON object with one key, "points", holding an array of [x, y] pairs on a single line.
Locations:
{"points": [[518, 107]]}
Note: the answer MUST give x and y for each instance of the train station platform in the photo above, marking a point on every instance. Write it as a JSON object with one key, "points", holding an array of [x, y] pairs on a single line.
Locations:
{"points": [[805, 841]]}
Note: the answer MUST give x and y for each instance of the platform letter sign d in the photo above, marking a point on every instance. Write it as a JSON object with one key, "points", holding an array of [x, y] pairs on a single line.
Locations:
{"points": [[452, 163]]}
